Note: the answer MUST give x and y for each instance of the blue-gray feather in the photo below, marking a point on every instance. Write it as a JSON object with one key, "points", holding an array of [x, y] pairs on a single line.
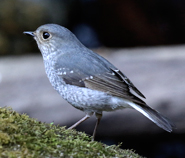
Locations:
{"points": [[87, 80]]}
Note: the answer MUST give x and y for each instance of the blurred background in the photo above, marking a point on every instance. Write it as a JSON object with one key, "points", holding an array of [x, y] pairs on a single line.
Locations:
{"points": [[144, 39]]}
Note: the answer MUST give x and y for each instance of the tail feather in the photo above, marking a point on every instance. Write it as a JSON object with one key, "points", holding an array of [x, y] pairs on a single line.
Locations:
{"points": [[154, 116]]}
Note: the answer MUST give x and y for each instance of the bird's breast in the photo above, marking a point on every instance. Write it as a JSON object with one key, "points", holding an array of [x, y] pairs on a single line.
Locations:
{"points": [[55, 80]]}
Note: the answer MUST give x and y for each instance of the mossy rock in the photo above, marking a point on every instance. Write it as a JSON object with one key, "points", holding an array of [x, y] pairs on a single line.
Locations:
{"points": [[21, 136]]}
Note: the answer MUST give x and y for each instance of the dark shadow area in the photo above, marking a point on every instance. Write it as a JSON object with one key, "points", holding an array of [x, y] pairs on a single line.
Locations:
{"points": [[162, 145]]}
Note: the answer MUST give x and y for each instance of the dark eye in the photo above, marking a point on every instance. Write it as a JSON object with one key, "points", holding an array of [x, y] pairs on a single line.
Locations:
{"points": [[46, 35]]}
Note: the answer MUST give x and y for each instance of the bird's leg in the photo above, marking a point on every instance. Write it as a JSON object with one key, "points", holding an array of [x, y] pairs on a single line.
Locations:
{"points": [[98, 116], [88, 115]]}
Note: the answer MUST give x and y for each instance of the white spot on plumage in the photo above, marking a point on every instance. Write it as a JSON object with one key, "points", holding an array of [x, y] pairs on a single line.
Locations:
{"points": [[71, 71], [91, 77], [52, 49], [64, 73]]}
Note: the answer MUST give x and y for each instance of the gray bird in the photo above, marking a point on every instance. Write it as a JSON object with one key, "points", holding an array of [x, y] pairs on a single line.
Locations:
{"points": [[86, 80]]}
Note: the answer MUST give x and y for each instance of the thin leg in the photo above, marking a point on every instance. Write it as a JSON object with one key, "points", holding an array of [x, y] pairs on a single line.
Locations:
{"points": [[81, 120], [98, 116]]}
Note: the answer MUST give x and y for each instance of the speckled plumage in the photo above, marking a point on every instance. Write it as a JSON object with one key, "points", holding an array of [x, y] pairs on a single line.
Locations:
{"points": [[85, 79]]}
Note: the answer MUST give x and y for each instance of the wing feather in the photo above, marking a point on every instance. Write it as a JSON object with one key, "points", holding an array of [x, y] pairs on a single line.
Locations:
{"points": [[113, 86]]}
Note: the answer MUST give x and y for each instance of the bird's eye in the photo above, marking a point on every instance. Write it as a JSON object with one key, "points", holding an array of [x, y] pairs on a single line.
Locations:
{"points": [[46, 35]]}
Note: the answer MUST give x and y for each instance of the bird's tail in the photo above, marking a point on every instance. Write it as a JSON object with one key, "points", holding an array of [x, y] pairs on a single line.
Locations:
{"points": [[154, 116]]}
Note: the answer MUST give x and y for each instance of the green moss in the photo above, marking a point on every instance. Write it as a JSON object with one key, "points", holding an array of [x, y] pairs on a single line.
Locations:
{"points": [[21, 136]]}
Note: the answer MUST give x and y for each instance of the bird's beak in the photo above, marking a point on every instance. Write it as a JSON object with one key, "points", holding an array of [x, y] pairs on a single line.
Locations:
{"points": [[29, 33]]}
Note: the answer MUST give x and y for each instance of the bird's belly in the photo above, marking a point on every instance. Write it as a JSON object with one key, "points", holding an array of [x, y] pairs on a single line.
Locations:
{"points": [[89, 100]]}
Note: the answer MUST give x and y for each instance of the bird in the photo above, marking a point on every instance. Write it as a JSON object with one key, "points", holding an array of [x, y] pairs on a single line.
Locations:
{"points": [[86, 80]]}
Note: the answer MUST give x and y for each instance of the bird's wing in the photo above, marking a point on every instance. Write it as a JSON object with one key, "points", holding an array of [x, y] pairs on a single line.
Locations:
{"points": [[113, 84], [97, 74]]}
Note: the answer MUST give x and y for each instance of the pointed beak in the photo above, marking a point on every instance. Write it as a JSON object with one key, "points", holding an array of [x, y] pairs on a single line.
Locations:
{"points": [[29, 33]]}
